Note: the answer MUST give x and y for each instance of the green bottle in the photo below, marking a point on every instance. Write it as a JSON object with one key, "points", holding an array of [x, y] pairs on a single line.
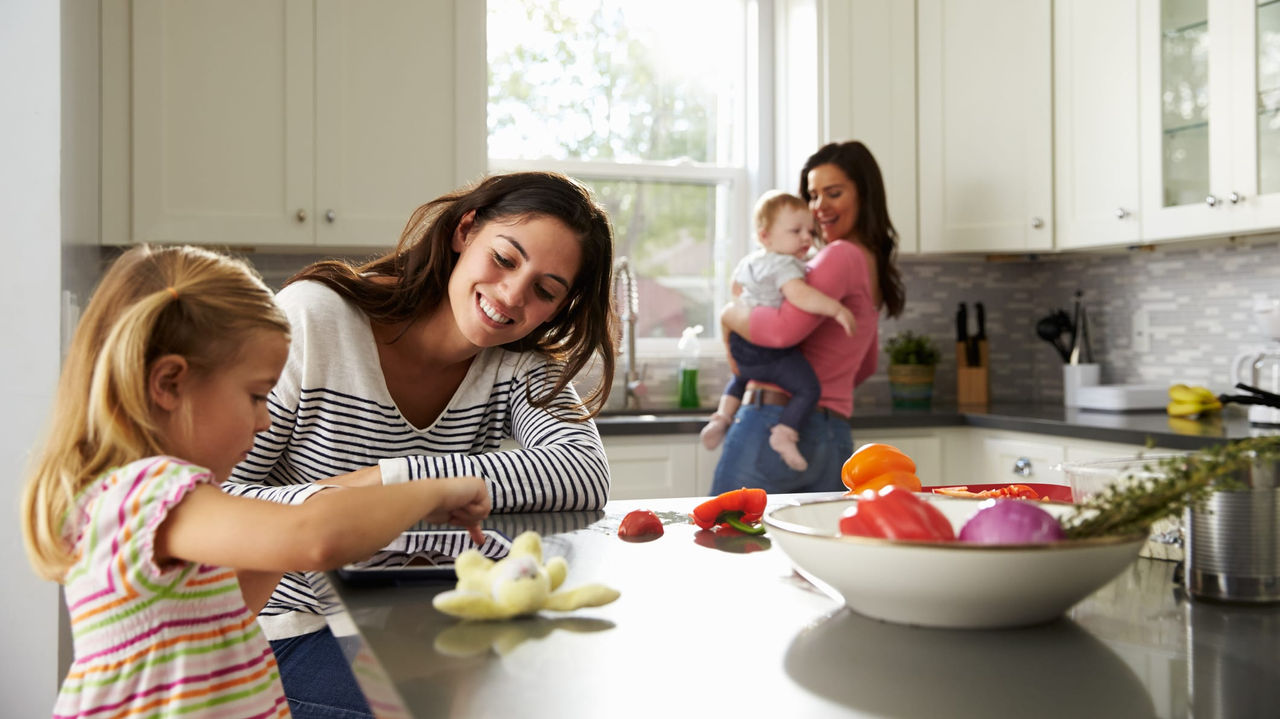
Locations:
{"points": [[688, 346]]}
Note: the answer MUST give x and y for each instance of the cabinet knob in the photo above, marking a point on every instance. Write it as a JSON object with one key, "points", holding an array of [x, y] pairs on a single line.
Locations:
{"points": [[302, 215], [1235, 198], [1022, 467], [1037, 223], [1121, 213], [329, 216], [1211, 201]]}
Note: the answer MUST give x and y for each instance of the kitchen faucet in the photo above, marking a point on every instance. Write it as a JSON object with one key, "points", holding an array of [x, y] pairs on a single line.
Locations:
{"points": [[629, 308]]}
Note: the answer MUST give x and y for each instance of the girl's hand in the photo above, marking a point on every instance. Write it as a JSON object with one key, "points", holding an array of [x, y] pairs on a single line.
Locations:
{"points": [[463, 501]]}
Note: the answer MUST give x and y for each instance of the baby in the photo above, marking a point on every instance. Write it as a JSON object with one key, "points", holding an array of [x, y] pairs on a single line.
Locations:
{"points": [[784, 226]]}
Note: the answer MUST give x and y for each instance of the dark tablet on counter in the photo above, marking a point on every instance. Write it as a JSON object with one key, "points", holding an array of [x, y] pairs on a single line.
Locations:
{"points": [[423, 555]]}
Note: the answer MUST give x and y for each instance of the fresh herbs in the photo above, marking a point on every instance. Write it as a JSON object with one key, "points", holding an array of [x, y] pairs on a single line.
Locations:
{"points": [[907, 347], [1166, 487]]}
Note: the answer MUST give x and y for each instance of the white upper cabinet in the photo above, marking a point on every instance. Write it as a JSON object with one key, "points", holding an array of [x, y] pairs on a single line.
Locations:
{"points": [[1210, 114], [985, 125], [1096, 149], [870, 94], [278, 122]]}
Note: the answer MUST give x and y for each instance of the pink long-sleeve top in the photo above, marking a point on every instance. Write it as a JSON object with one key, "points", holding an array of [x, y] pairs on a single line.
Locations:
{"points": [[840, 361]]}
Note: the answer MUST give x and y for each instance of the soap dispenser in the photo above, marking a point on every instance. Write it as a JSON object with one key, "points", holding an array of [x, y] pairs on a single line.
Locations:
{"points": [[688, 347]]}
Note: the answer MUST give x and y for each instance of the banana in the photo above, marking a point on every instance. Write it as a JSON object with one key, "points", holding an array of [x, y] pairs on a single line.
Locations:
{"points": [[1184, 409], [1191, 401], [1186, 393]]}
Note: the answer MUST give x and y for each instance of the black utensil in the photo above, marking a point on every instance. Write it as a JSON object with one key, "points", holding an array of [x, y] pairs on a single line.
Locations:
{"points": [[1050, 330], [982, 320]]}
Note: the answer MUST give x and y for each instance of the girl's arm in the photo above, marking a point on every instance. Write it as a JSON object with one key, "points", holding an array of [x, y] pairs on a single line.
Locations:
{"points": [[560, 465], [330, 529]]}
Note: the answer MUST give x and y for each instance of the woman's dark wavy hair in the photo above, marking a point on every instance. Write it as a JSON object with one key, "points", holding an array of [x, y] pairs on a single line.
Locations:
{"points": [[424, 258], [873, 228]]}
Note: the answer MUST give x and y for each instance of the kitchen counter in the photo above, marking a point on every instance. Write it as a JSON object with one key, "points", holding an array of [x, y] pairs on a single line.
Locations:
{"points": [[1127, 427], [708, 626]]}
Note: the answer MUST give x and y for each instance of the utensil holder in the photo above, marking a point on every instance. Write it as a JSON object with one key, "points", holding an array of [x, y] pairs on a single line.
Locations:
{"points": [[1075, 376], [972, 381]]}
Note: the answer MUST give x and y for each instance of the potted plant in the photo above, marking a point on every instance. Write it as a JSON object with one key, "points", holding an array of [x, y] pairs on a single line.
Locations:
{"points": [[912, 361]]}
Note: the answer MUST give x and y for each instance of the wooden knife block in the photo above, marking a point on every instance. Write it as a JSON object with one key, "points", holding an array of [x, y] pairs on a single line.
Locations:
{"points": [[971, 381]]}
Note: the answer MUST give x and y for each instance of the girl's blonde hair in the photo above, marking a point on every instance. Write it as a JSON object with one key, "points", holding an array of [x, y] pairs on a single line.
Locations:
{"points": [[771, 203], [153, 301]]}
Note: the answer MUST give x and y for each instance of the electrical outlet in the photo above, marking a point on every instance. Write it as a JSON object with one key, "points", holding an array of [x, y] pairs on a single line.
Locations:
{"points": [[1141, 331]]}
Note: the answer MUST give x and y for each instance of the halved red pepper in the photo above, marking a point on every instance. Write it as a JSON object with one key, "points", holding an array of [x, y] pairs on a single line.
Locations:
{"points": [[895, 513], [738, 508]]}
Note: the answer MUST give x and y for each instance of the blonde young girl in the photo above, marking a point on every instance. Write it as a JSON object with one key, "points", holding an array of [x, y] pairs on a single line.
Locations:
{"points": [[163, 391]]}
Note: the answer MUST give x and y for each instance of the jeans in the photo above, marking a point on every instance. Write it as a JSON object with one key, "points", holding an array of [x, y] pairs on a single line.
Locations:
{"points": [[317, 678], [783, 366], [748, 461]]}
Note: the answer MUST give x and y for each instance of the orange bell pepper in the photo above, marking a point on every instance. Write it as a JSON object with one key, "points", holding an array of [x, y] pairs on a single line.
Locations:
{"points": [[874, 466], [738, 508], [895, 513]]}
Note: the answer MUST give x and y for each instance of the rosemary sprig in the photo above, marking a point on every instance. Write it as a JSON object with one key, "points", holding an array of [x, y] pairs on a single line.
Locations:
{"points": [[1166, 487]]}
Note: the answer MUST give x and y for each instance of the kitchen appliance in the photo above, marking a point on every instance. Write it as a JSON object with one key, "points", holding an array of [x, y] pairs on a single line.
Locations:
{"points": [[1260, 369]]}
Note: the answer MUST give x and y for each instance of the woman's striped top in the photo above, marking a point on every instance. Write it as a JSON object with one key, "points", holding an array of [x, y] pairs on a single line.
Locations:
{"points": [[152, 641], [331, 413]]}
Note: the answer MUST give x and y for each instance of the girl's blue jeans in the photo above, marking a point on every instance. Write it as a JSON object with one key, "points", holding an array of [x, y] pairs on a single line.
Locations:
{"points": [[746, 459]]}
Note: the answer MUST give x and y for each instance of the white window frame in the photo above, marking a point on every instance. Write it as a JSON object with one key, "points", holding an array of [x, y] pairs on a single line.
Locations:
{"points": [[741, 183]]}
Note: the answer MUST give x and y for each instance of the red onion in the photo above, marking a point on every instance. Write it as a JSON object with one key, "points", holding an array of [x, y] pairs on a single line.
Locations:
{"points": [[1010, 521]]}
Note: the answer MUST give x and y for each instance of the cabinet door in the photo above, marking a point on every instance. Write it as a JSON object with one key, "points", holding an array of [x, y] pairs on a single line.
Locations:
{"points": [[384, 116], [924, 449], [650, 467], [1255, 72], [1185, 106], [1018, 460], [1096, 161], [986, 124], [222, 122], [870, 95]]}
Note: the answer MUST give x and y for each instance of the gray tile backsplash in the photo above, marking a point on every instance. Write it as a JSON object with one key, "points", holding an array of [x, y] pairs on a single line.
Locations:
{"points": [[1197, 298]]}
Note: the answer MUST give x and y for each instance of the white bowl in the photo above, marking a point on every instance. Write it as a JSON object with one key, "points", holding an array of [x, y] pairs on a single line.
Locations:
{"points": [[947, 584]]}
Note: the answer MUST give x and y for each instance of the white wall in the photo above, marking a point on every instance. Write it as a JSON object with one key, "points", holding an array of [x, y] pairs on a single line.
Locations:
{"points": [[30, 117]]}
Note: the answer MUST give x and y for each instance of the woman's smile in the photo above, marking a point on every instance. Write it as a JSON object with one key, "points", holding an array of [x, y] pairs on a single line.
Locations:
{"points": [[492, 312]]}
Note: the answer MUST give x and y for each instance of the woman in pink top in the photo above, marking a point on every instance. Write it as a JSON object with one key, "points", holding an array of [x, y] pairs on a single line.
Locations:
{"points": [[845, 191]]}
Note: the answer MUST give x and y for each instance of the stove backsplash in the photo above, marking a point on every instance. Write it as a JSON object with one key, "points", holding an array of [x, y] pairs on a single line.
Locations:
{"points": [[1197, 299]]}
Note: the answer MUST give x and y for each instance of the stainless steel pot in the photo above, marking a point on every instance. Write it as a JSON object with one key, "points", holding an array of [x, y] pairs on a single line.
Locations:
{"points": [[1233, 541]]}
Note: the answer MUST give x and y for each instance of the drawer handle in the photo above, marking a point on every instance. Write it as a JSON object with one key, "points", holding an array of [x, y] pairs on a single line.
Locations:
{"points": [[1022, 467]]}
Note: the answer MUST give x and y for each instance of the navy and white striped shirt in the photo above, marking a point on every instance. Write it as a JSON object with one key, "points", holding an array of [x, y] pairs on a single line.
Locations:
{"points": [[331, 414]]}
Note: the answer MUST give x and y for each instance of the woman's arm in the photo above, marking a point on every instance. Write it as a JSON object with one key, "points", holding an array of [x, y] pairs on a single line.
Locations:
{"points": [[328, 530], [788, 325]]}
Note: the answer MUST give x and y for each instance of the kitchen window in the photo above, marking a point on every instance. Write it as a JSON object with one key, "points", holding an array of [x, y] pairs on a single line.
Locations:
{"points": [[658, 106]]}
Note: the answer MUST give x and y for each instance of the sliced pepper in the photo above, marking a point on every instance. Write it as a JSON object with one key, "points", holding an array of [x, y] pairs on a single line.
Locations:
{"points": [[1016, 491], [895, 513], [737, 508]]}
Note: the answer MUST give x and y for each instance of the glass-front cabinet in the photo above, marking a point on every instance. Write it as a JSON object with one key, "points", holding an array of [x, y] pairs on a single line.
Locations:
{"points": [[1210, 117]]}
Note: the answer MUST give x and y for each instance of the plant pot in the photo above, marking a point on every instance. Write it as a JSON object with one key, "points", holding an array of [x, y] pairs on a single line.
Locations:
{"points": [[911, 385]]}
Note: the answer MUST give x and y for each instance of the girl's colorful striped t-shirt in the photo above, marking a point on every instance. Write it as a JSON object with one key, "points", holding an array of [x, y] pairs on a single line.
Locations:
{"points": [[156, 641]]}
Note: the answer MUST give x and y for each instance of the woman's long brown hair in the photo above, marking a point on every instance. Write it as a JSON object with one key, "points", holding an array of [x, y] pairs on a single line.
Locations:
{"points": [[420, 265], [873, 226]]}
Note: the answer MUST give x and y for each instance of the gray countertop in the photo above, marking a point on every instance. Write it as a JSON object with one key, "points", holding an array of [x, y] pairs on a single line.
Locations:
{"points": [[708, 627], [1126, 427]]}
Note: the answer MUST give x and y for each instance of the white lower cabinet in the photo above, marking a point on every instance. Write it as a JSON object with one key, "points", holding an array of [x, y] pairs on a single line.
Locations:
{"points": [[648, 467], [1027, 457]]}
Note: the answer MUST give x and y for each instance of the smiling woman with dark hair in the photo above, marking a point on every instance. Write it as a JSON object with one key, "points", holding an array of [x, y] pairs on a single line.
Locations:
{"points": [[845, 191], [417, 364]]}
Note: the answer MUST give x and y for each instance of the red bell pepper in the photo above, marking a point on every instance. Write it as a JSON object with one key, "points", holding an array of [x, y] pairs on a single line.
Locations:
{"points": [[640, 525], [738, 508], [895, 513]]}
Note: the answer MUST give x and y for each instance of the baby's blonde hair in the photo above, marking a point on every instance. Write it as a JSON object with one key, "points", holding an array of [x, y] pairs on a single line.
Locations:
{"points": [[773, 202], [153, 301]]}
